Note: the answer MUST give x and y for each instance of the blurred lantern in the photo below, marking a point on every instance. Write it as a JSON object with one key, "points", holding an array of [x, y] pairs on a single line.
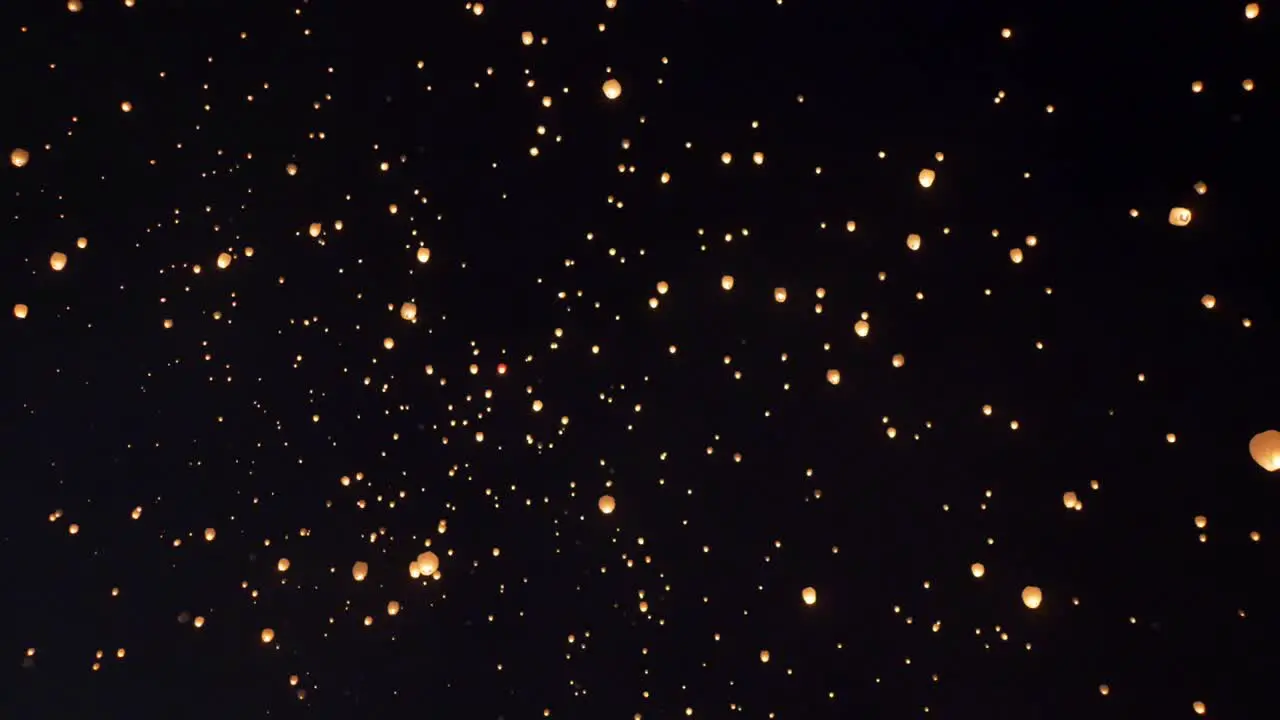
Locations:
{"points": [[210, 534], [1032, 597], [268, 635], [757, 158], [663, 287], [388, 343], [1208, 301], [1015, 255], [1198, 707], [360, 571], [224, 260], [20, 311], [1180, 217], [393, 608], [978, 569], [526, 38], [424, 255], [57, 261], [428, 563], [726, 282], [833, 377], [292, 169], [726, 158], [899, 360], [282, 564], [19, 157], [926, 178], [1265, 450], [612, 89], [606, 504], [1069, 500], [409, 311], [861, 328], [764, 656], [809, 595], [780, 294], [1251, 11]]}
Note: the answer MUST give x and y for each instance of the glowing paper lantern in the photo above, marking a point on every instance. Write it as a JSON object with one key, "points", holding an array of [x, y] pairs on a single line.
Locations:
{"points": [[424, 255], [612, 89], [1180, 217], [764, 656], [726, 282], [978, 569], [1208, 301], [833, 377], [1251, 11], [315, 229], [663, 287], [393, 608], [57, 261], [20, 311], [224, 260], [428, 563], [1069, 500], [409, 311], [899, 360], [809, 595], [861, 328], [526, 38], [780, 294], [292, 169], [1032, 597], [1265, 450], [210, 534], [1015, 255], [19, 157], [926, 178], [268, 635], [360, 571], [913, 241], [607, 504]]}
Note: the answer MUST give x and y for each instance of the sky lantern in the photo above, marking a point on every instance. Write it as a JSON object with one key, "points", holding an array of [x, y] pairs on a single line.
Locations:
{"points": [[282, 565], [861, 328], [764, 656], [612, 89], [899, 360], [809, 595], [19, 157], [1265, 450], [428, 563], [360, 571], [315, 229], [833, 377], [393, 608], [292, 169], [268, 635], [663, 287], [780, 294], [526, 38], [1251, 11], [978, 569], [726, 158], [913, 241], [57, 261], [388, 343], [224, 260], [926, 178], [1016, 255], [1069, 500], [726, 282], [424, 254], [607, 504], [1198, 707], [1180, 217], [210, 534], [757, 158], [20, 311], [409, 311], [1208, 301], [1032, 597]]}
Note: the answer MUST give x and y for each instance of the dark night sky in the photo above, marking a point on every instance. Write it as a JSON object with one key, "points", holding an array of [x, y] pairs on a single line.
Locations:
{"points": [[740, 474]]}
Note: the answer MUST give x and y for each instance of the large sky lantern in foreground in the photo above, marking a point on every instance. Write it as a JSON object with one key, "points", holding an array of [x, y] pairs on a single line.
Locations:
{"points": [[833, 377], [926, 178], [58, 261], [315, 230], [809, 595], [978, 569], [409, 311], [268, 635], [1032, 597], [428, 563], [224, 260], [1180, 217], [726, 282], [282, 565], [20, 311], [360, 571], [612, 89], [1265, 450], [607, 504], [19, 157], [424, 254]]}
